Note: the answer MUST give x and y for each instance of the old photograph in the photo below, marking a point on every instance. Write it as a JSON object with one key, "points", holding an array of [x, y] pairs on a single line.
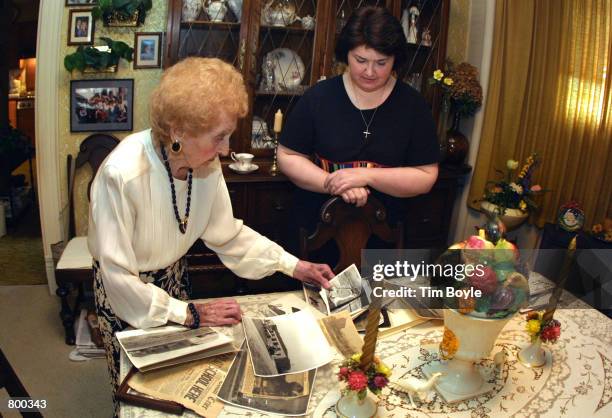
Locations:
{"points": [[286, 344], [164, 346], [346, 286], [286, 395]]}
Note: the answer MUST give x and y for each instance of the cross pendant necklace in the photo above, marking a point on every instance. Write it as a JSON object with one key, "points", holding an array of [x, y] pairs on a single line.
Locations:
{"points": [[367, 132], [367, 124]]}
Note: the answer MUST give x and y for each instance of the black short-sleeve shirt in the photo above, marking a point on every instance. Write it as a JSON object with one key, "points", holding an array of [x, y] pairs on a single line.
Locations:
{"points": [[326, 125]]}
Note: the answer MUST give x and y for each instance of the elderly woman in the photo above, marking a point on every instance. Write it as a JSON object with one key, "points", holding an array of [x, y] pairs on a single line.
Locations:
{"points": [[364, 131], [162, 189]]}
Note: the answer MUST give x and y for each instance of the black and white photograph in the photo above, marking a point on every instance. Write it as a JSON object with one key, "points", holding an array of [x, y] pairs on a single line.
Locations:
{"points": [[81, 2], [288, 304], [101, 105], [147, 50], [286, 395], [286, 344], [80, 27], [345, 287]]}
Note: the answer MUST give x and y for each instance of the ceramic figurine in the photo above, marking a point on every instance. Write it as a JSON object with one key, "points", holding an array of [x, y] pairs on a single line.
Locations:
{"points": [[426, 38], [419, 387], [413, 32], [267, 82]]}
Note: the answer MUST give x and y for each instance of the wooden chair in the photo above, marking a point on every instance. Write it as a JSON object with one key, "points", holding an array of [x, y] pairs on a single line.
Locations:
{"points": [[351, 228], [74, 268]]}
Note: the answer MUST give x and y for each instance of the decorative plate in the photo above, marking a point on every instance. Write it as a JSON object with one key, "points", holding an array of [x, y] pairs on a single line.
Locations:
{"points": [[571, 217], [288, 68]]}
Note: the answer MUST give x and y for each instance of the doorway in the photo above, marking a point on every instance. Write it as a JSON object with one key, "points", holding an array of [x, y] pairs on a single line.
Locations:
{"points": [[21, 249]]}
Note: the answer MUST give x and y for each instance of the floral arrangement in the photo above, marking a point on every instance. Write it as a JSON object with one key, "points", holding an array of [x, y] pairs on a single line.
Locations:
{"points": [[374, 378], [548, 331], [603, 231], [461, 87], [515, 193]]}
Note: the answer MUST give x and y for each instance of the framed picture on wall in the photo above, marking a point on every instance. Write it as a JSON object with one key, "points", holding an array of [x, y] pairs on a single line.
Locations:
{"points": [[81, 2], [80, 27], [147, 50], [101, 105]]}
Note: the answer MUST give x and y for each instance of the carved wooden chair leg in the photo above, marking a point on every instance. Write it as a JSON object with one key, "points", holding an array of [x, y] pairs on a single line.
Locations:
{"points": [[66, 314]]}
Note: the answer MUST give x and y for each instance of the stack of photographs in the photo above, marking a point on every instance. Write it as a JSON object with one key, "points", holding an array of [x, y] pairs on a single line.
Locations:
{"points": [[275, 369]]}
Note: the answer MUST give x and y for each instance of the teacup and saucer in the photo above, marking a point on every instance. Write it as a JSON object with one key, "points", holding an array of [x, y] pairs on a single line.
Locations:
{"points": [[243, 163]]}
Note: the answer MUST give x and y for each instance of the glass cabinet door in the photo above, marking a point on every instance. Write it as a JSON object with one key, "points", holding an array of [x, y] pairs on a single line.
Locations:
{"points": [[288, 45], [424, 24]]}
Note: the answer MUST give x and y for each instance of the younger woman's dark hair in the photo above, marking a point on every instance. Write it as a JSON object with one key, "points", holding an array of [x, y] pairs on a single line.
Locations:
{"points": [[376, 28]]}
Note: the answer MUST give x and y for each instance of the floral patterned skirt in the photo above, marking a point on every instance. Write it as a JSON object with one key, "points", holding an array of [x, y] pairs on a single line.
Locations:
{"points": [[174, 279]]}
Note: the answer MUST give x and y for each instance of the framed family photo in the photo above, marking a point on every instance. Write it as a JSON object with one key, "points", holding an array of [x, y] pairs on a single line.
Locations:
{"points": [[81, 2], [80, 27], [101, 105], [147, 50]]}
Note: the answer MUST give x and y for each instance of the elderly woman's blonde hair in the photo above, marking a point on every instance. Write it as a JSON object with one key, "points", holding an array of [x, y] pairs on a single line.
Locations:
{"points": [[191, 96]]}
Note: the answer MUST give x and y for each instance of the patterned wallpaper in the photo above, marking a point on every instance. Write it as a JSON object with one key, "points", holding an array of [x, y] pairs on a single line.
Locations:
{"points": [[144, 82], [458, 32]]}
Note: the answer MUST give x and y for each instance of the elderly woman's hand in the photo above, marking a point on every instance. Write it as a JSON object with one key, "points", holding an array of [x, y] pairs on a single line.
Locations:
{"points": [[340, 181], [308, 272], [216, 313]]}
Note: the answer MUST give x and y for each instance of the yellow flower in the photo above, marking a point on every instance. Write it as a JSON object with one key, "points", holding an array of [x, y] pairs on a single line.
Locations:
{"points": [[383, 369], [523, 205], [437, 75], [448, 81], [356, 357], [533, 326], [512, 164]]}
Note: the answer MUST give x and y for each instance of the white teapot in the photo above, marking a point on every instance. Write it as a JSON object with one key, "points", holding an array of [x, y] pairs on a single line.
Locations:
{"points": [[279, 13], [216, 10]]}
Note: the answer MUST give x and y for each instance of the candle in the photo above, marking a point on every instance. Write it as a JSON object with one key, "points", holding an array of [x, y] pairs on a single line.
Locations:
{"points": [[278, 121], [560, 285], [369, 341]]}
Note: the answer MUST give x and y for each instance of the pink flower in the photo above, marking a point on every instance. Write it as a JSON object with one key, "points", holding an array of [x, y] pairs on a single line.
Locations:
{"points": [[380, 381], [551, 331], [536, 188], [357, 380], [343, 373]]}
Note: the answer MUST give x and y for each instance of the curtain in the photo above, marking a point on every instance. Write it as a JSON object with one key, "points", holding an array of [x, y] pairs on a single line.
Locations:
{"points": [[549, 93]]}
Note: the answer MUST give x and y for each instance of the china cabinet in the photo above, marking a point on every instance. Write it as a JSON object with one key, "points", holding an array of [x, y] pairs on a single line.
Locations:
{"points": [[282, 47]]}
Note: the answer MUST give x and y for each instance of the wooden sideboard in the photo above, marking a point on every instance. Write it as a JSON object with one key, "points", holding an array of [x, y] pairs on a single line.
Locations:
{"points": [[265, 204]]}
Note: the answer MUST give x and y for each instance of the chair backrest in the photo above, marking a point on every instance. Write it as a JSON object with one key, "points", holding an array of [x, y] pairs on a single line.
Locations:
{"points": [[351, 228], [93, 150]]}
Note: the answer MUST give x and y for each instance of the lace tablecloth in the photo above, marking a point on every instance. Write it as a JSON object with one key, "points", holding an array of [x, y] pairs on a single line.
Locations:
{"points": [[576, 383]]}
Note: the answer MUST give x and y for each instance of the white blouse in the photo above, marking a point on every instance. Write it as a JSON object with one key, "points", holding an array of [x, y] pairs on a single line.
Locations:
{"points": [[132, 229]]}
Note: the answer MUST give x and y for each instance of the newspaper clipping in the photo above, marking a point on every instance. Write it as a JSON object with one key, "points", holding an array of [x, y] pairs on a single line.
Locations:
{"points": [[194, 385]]}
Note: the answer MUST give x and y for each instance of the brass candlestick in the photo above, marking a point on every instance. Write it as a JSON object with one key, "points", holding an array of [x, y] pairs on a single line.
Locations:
{"points": [[274, 168]]}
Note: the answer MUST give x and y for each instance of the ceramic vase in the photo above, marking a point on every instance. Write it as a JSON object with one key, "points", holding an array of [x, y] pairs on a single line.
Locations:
{"points": [[476, 338], [350, 406], [191, 9], [456, 146], [533, 355], [512, 218]]}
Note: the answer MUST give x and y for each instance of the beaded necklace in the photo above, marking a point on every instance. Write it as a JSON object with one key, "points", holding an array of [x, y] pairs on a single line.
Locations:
{"points": [[182, 223]]}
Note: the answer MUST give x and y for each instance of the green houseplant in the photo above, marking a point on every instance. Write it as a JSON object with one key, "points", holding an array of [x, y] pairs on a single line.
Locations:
{"points": [[122, 12], [99, 59]]}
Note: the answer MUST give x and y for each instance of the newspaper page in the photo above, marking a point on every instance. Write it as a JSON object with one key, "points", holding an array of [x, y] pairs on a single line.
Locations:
{"points": [[193, 385], [165, 346]]}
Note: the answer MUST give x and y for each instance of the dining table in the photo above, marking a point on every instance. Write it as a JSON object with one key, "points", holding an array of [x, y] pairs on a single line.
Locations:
{"points": [[576, 380]]}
